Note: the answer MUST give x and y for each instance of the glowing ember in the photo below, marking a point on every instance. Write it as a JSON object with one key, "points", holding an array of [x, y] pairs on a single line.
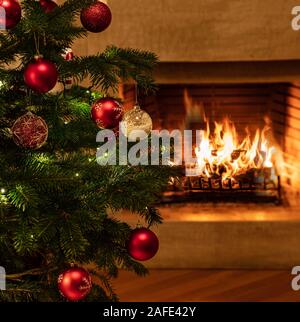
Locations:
{"points": [[221, 153]]}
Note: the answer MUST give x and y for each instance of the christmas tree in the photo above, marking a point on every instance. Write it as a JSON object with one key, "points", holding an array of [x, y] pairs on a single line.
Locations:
{"points": [[56, 201]]}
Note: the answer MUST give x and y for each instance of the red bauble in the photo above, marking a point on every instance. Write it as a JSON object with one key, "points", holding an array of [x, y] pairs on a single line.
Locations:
{"points": [[30, 131], [142, 244], [97, 17], [12, 13], [41, 75], [75, 283], [107, 113], [48, 5]]}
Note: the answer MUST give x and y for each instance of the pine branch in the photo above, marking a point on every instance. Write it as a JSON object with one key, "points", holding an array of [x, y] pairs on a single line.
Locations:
{"points": [[23, 196], [31, 272], [113, 65], [72, 241]]}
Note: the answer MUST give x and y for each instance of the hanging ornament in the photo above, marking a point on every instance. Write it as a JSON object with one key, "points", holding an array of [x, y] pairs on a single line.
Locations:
{"points": [[68, 56], [40, 75], [97, 17], [107, 113], [30, 131], [142, 244], [75, 283], [48, 5], [138, 120], [60, 86], [12, 14]]}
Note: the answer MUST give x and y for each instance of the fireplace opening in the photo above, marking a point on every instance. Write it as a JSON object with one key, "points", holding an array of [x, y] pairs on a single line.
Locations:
{"points": [[247, 142]]}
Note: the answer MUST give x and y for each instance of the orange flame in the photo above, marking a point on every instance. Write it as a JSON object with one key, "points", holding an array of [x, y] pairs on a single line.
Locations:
{"points": [[221, 153]]}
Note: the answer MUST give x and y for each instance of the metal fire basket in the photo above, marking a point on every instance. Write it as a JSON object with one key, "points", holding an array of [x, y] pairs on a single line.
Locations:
{"points": [[254, 186]]}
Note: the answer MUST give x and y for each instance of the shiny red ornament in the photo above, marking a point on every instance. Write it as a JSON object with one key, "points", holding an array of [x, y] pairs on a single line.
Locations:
{"points": [[12, 13], [97, 17], [48, 5], [41, 75], [30, 131], [107, 113], [75, 283], [143, 244]]}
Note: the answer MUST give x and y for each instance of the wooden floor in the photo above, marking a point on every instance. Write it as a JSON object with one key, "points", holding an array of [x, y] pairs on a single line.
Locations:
{"points": [[206, 285]]}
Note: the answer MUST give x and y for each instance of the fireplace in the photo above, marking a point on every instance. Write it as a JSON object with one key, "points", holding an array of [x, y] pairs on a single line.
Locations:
{"points": [[249, 145], [227, 218]]}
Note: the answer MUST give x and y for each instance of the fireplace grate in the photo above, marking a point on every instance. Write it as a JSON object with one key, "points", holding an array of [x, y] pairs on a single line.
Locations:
{"points": [[255, 186]]}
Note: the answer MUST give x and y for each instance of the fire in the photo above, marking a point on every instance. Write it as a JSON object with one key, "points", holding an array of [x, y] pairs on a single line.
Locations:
{"points": [[221, 153]]}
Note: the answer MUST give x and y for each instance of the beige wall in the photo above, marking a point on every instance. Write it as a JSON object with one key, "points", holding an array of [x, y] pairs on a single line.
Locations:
{"points": [[201, 30]]}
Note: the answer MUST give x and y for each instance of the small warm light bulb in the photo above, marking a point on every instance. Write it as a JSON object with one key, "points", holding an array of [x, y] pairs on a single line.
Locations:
{"points": [[3, 190], [66, 122], [77, 174], [90, 160]]}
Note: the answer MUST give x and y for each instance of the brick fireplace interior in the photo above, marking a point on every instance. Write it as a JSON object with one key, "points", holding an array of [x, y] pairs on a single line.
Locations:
{"points": [[247, 105]]}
